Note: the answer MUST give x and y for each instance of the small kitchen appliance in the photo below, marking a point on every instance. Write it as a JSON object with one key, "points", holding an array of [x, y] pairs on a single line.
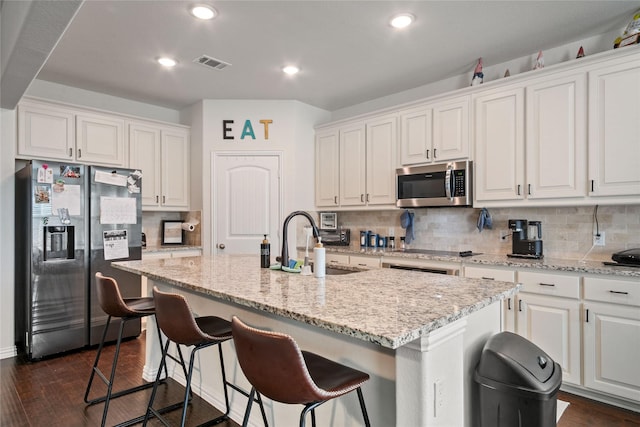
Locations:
{"points": [[627, 258], [436, 185], [526, 239], [331, 234]]}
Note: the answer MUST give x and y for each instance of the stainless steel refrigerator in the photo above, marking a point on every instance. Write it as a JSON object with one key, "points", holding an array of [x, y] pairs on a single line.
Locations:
{"points": [[71, 222]]}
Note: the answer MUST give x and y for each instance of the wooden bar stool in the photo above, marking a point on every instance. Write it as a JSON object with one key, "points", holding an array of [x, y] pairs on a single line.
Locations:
{"points": [[125, 309], [180, 326], [277, 368]]}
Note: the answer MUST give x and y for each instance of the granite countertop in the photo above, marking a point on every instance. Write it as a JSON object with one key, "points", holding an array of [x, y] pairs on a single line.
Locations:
{"points": [[550, 264], [383, 306], [169, 248]]}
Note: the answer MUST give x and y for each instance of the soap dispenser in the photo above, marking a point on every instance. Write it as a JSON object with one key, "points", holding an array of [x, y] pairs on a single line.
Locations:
{"points": [[265, 253]]}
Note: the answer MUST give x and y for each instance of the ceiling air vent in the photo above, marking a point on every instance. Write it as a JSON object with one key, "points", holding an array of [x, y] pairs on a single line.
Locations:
{"points": [[210, 62]]}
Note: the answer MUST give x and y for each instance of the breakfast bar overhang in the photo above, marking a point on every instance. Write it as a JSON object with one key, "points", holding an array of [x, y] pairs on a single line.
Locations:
{"points": [[419, 335]]}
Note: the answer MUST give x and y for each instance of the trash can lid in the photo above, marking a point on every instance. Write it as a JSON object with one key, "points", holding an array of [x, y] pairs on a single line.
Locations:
{"points": [[513, 360]]}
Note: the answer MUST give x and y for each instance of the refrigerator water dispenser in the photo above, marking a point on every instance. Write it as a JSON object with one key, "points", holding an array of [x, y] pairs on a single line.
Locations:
{"points": [[59, 242]]}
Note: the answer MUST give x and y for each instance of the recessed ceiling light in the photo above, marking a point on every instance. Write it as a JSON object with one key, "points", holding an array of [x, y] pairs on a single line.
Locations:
{"points": [[203, 11], [167, 62], [402, 20], [291, 70]]}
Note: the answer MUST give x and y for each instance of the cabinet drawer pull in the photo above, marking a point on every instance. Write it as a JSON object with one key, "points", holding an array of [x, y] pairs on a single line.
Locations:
{"points": [[619, 292], [547, 284], [333, 261], [488, 278], [362, 265]]}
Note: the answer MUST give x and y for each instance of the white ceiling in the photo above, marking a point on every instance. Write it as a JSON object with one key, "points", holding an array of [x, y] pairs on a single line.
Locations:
{"points": [[346, 50]]}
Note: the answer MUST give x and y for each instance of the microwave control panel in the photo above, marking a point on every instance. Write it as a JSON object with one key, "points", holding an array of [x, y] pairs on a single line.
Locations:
{"points": [[459, 183]]}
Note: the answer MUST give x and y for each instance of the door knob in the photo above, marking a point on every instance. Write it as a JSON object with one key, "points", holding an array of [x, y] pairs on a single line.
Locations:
{"points": [[221, 246]]}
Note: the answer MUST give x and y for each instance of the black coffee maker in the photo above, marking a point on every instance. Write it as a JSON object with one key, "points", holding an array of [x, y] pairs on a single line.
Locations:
{"points": [[526, 239]]}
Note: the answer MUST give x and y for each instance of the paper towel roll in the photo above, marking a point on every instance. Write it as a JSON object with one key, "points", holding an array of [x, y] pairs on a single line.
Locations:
{"points": [[189, 226]]}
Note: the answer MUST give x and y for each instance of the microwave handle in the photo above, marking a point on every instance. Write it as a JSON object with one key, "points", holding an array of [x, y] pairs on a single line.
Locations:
{"points": [[447, 183]]}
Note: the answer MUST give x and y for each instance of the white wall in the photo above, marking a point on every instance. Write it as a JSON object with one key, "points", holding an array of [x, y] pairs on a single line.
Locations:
{"points": [[7, 185], [291, 133]]}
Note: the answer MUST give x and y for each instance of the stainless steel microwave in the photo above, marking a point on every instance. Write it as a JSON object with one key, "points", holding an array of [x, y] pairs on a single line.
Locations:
{"points": [[437, 185]]}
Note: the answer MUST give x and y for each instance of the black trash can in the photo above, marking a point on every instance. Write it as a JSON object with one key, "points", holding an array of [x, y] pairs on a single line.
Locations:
{"points": [[518, 382]]}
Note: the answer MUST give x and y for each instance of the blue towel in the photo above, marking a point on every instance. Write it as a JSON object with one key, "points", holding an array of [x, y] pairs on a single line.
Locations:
{"points": [[406, 221], [484, 220]]}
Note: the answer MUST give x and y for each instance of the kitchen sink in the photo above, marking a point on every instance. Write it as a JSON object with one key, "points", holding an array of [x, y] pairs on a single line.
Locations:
{"points": [[335, 271]]}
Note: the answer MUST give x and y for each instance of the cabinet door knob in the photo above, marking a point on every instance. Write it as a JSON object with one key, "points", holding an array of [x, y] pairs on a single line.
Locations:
{"points": [[221, 246]]}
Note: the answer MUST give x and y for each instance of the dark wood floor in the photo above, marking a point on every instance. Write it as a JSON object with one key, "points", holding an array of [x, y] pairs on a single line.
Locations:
{"points": [[50, 393]]}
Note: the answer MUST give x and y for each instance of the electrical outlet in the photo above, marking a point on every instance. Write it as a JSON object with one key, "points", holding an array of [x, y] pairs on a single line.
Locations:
{"points": [[598, 239]]}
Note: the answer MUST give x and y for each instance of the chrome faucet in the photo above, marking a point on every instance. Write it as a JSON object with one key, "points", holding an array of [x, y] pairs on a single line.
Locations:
{"points": [[284, 258]]}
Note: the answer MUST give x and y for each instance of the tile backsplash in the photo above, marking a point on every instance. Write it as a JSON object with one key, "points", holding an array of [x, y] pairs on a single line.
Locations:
{"points": [[566, 231]]}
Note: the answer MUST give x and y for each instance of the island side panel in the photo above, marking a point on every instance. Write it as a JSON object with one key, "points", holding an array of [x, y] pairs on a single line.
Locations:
{"points": [[377, 361]]}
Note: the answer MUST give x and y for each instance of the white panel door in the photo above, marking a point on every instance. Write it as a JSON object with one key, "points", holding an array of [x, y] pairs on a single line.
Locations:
{"points": [[499, 145], [353, 165], [614, 129], [45, 131], [415, 136], [327, 168], [381, 161], [612, 349], [553, 324], [144, 154], [100, 139], [451, 129], [556, 143], [246, 202], [175, 168]]}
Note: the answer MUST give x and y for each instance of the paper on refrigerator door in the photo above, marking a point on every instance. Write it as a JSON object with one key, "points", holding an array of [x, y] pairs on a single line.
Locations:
{"points": [[116, 244], [118, 210], [111, 178], [68, 198]]}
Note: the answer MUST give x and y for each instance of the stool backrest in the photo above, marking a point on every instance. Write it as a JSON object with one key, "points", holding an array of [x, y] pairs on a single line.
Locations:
{"points": [[274, 365], [110, 298], [176, 320]]}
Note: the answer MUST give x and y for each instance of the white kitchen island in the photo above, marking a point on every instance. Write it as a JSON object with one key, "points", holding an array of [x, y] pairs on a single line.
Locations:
{"points": [[418, 335]]}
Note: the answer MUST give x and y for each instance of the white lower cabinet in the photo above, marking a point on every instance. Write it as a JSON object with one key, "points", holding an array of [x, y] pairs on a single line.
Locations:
{"points": [[553, 324], [508, 317], [612, 337]]}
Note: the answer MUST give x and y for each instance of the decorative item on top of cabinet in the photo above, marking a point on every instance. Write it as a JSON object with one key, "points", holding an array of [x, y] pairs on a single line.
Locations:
{"points": [[435, 132], [162, 153], [54, 131], [614, 114]]}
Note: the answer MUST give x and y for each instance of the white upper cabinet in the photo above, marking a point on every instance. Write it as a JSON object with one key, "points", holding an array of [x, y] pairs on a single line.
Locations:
{"points": [[100, 139], [499, 145], [435, 132], [451, 129], [144, 154], [52, 131], [162, 153], [416, 136], [614, 130], [353, 165], [327, 168], [46, 131], [381, 161], [556, 146]]}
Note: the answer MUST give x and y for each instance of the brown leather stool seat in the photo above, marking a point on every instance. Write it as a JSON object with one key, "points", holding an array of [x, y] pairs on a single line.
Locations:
{"points": [[125, 309], [178, 324], [277, 368]]}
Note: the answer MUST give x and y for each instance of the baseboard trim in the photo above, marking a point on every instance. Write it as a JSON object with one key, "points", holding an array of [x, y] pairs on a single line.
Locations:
{"points": [[601, 397], [8, 352]]}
